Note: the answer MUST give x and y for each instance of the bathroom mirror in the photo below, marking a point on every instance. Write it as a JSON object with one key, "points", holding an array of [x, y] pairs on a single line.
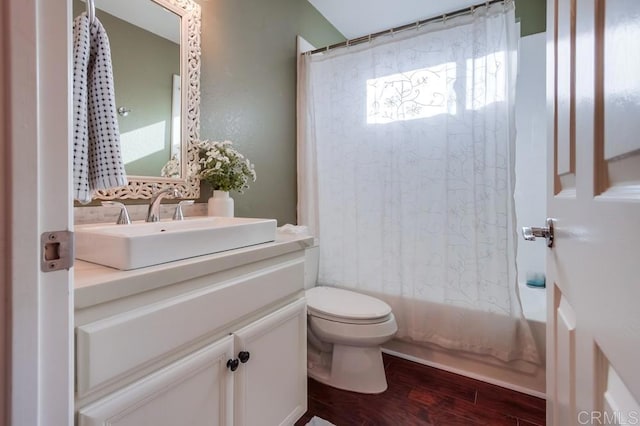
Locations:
{"points": [[155, 49]]}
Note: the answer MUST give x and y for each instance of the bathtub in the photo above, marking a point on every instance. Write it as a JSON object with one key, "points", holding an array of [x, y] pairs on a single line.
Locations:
{"points": [[534, 308], [534, 303], [532, 382]]}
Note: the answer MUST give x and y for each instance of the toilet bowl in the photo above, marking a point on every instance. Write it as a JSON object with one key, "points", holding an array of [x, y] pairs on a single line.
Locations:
{"points": [[344, 334]]}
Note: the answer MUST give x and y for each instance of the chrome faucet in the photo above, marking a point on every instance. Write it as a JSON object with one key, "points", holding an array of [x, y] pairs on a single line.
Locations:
{"points": [[153, 214]]}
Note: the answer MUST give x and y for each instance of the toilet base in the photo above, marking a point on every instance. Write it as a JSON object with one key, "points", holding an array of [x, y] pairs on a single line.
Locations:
{"points": [[353, 368]]}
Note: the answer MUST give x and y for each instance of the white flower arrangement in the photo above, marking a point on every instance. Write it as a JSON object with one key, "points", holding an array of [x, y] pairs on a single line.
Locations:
{"points": [[172, 168], [222, 167]]}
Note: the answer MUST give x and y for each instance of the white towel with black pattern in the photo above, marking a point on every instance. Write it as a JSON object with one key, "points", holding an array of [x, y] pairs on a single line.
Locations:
{"points": [[97, 159]]}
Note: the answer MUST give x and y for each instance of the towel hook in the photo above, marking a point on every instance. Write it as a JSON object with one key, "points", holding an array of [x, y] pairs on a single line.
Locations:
{"points": [[91, 11]]}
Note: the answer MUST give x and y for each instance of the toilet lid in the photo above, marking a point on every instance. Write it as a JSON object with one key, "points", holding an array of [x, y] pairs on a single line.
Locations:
{"points": [[345, 304]]}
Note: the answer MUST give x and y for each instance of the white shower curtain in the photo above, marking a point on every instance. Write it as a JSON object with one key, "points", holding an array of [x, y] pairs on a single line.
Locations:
{"points": [[406, 175]]}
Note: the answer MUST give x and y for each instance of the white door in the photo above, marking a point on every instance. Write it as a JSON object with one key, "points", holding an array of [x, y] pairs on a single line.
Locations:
{"points": [[593, 285], [36, 42], [270, 385]]}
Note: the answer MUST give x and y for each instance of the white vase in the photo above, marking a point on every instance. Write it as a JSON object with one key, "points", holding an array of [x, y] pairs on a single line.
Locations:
{"points": [[220, 204]]}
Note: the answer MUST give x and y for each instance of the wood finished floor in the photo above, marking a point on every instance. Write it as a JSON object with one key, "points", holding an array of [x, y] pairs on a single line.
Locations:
{"points": [[421, 395]]}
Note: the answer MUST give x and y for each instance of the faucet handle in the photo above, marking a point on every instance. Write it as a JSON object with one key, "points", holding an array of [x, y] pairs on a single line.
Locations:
{"points": [[178, 213], [123, 218]]}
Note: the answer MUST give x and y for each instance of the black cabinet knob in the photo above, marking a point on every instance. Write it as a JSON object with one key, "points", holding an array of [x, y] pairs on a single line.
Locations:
{"points": [[232, 364], [244, 356]]}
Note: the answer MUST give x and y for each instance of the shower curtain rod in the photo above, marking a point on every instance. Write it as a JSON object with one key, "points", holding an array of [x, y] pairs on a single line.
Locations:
{"points": [[414, 25]]}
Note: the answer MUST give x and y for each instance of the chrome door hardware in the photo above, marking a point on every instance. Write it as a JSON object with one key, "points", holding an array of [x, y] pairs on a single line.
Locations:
{"points": [[57, 251], [530, 233]]}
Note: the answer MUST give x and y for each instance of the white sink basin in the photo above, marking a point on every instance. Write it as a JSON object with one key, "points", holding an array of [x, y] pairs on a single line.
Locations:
{"points": [[143, 244]]}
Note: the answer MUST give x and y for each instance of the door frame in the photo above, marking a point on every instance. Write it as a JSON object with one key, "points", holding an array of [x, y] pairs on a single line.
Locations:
{"points": [[4, 226], [37, 198]]}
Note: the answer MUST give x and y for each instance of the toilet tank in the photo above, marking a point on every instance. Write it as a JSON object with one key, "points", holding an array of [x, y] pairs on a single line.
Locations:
{"points": [[311, 262]]}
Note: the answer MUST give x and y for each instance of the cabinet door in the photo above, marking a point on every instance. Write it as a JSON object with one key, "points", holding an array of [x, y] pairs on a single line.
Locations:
{"points": [[195, 390], [270, 388]]}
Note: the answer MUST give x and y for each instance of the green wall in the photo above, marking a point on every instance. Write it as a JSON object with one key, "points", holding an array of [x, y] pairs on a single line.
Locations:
{"points": [[532, 15], [248, 91]]}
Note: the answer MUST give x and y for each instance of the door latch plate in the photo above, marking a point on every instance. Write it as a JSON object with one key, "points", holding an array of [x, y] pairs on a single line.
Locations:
{"points": [[57, 251]]}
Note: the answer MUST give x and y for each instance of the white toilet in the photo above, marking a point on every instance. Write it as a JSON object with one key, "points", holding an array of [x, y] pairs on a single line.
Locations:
{"points": [[345, 330]]}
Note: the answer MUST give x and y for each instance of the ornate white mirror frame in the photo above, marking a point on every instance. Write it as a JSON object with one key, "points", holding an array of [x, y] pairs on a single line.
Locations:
{"points": [[141, 187]]}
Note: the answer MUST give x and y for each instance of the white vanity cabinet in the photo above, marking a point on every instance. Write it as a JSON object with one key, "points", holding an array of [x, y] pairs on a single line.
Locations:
{"points": [[164, 355], [270, 388], [196, 390]]}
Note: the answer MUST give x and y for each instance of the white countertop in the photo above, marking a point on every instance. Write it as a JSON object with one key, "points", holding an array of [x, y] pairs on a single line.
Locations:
{"points": [[94, 284]]}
